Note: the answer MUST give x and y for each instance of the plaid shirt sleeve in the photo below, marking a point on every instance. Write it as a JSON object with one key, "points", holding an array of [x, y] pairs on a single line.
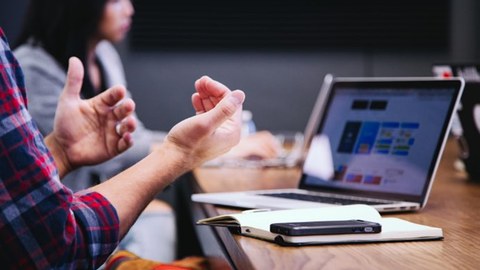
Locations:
{"points": [[43, 225]]}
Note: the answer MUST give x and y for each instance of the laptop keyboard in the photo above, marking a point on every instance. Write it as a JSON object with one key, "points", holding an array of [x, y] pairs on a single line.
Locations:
{"points": [[324, 199]]}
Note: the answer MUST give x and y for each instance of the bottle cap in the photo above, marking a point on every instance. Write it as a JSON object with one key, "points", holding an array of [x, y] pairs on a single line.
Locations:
{"points": [[246, 116]]}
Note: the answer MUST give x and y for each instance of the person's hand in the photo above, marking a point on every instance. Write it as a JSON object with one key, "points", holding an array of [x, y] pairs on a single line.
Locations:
{"points": [[215, 128], [90, 131], [213, 131], [259, 145]]}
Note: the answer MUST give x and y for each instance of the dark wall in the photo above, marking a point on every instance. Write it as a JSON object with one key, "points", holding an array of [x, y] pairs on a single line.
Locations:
{"points": [[11, 14], [281, 86]]}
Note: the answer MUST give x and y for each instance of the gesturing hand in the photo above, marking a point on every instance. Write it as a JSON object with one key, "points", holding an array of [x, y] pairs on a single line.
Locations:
{"points": [[90, 131], [215, 128]]}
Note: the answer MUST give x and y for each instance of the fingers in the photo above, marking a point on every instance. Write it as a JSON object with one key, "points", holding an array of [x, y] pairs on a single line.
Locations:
{"points": [[124, 129], [119, 111], [124, 109], [125, 142], [267, 144], [127, 125], [112, 96], [197, 103], [210, 92], [207, 87], [115, 98], [227, 108], [75, 73], [267, 151]]}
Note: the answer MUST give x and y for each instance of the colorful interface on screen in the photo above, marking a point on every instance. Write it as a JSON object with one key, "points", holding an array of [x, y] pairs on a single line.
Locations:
{"points": [[379, 139]]}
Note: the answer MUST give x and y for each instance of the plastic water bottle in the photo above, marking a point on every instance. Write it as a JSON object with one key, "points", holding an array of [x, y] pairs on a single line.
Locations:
{"points": [[248, 126]]}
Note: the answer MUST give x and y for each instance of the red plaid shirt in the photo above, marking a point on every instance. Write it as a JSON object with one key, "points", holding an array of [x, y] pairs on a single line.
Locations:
{"points": [[43, 225]]}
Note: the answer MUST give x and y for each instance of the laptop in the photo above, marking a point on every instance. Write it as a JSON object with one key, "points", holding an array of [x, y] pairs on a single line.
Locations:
{"points": [[377, 141]]}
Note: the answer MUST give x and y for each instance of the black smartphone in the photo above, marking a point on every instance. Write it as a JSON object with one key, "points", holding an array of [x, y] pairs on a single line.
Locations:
{"points": [[326, 227]]}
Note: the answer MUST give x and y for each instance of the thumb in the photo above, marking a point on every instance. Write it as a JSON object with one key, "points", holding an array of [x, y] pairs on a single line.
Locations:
{"points": [[74, 81], [226, 108]]}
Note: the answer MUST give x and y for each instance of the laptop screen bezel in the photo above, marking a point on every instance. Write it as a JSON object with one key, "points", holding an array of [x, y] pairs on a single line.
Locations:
{"points": [[427, 83]]}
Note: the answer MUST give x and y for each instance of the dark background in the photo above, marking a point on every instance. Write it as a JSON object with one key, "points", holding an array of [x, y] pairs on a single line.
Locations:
{"points": [[278, 51]]}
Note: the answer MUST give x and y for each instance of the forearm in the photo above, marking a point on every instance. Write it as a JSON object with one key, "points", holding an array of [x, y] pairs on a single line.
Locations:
{"points": [[81, 230], [131, 191]]}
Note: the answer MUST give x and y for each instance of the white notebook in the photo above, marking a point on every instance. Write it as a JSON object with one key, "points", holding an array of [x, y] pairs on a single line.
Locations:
{"points": [[256, 223]]}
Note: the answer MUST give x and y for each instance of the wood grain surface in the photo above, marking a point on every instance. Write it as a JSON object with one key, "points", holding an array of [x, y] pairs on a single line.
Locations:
{"points": [[454, 205]]}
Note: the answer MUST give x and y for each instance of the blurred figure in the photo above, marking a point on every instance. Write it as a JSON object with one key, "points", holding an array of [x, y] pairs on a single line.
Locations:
{"points": [[53, 31]]}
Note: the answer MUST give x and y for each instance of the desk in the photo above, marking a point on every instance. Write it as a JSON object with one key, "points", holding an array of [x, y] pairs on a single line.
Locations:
{"points": [[454, 205]]}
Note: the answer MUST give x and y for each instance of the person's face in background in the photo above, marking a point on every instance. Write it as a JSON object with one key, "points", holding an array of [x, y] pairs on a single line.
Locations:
{"points": [[116, 20]]}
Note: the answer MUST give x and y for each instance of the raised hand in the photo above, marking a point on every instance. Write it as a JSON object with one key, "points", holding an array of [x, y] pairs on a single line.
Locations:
{"points": [[90, 131], [215, 128]]}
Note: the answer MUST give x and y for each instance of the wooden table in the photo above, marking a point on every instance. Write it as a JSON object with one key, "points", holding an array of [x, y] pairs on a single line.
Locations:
{"points": [[454, 205]]}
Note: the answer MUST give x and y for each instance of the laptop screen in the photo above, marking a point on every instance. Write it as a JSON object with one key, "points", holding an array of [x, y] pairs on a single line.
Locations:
{"points": [[381, 137]]}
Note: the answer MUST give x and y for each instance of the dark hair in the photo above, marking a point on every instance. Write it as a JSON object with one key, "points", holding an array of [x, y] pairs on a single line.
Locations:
{"points": [[63, 28]]}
